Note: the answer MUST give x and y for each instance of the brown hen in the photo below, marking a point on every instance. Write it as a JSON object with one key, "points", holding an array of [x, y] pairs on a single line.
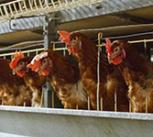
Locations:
{"points": [[13, 90], [63, 76], [32, 80], [137, 73], [111, 81]]}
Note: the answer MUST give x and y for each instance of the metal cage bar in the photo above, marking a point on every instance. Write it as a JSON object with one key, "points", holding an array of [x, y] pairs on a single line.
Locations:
{"points": [[56, 48], [36, 7]]}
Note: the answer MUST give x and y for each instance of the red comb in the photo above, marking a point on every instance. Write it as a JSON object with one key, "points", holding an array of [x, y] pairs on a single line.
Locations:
{"points": [[17, 57], [35, 64], [64, 36], [108, 46]]}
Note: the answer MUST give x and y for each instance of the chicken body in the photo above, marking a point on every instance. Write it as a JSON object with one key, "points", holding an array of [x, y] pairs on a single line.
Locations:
{"points": [[85, 52], [13, 90], [64, 77], [137, 73], [32, 80]]}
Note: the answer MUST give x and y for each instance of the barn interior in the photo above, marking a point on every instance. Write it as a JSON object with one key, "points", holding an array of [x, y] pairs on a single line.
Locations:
{"points": [[30, 28], [134, 25]]}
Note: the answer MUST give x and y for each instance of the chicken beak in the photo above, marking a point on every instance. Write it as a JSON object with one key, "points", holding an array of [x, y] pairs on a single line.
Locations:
{"points": [[13, 72], [69, 51], [109, 60]]}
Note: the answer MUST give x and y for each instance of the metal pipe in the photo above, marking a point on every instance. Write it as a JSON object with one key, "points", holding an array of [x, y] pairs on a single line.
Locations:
{"points": [[47, 89], [53, 100], [12, 53], [1, 12], [46, 33], [15, 8], [33, 44], [88, 103], [141, 41], [20, 7], [35, 4], [145, 47], [30, 4], [101, 104], [146, 106], [35, 8], [42, 99], [41, 4], [98, 68], [130, 106], [25, 6], [115, 101], [11, 11]]}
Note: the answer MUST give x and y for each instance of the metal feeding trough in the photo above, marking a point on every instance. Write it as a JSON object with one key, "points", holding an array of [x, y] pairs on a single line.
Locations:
{"points": [[45, 122]]}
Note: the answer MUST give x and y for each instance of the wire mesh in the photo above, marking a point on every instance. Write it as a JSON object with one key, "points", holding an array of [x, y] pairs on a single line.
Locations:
{"points": [[22, 8], [56, 47]]}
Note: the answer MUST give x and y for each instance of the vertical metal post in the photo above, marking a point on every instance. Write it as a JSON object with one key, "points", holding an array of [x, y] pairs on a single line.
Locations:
{"points": [[46, 90], [100, 35], [46, 3], [146, 106], [98, 77], [46, 33], [49, 30], [101, 103], [145, 47], [146, 50], [115, 101]]}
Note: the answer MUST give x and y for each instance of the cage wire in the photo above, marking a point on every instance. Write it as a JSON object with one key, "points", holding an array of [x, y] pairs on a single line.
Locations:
{"points": [[56, 47]]}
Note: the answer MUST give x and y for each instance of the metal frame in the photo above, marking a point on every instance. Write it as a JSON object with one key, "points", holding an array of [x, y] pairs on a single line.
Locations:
{"points": [[54, 43], [45, 122], [47, 92], [22, 24], [48, 96], [48, 24], [72, 11], [104, 8], [81, 8], [20, 8]]}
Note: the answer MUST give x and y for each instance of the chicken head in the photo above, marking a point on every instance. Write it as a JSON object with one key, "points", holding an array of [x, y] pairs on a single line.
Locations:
{"points": [[41, 64], [115, 51], [72, 41], [18, 64]]}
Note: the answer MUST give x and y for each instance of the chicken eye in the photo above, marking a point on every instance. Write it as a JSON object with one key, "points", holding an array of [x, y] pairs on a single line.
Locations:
{"points": [[117, 49], [74, 42], [44, 60], [73, 38], [21, 63], [76, 38]]}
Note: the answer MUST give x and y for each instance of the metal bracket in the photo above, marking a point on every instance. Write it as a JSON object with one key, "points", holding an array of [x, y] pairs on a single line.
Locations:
{"points": [[28, 23], [49, 30]]}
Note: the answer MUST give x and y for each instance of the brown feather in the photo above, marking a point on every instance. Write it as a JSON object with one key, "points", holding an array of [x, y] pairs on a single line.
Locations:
{"points": [[64, 77], [137, 73], [87, 58]]}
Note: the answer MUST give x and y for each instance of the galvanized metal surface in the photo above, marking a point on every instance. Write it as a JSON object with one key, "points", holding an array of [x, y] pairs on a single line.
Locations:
{"points": [[81, 8], [10, 135], [44, 122], [20, 8], [105, 7], [21, 24]]}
